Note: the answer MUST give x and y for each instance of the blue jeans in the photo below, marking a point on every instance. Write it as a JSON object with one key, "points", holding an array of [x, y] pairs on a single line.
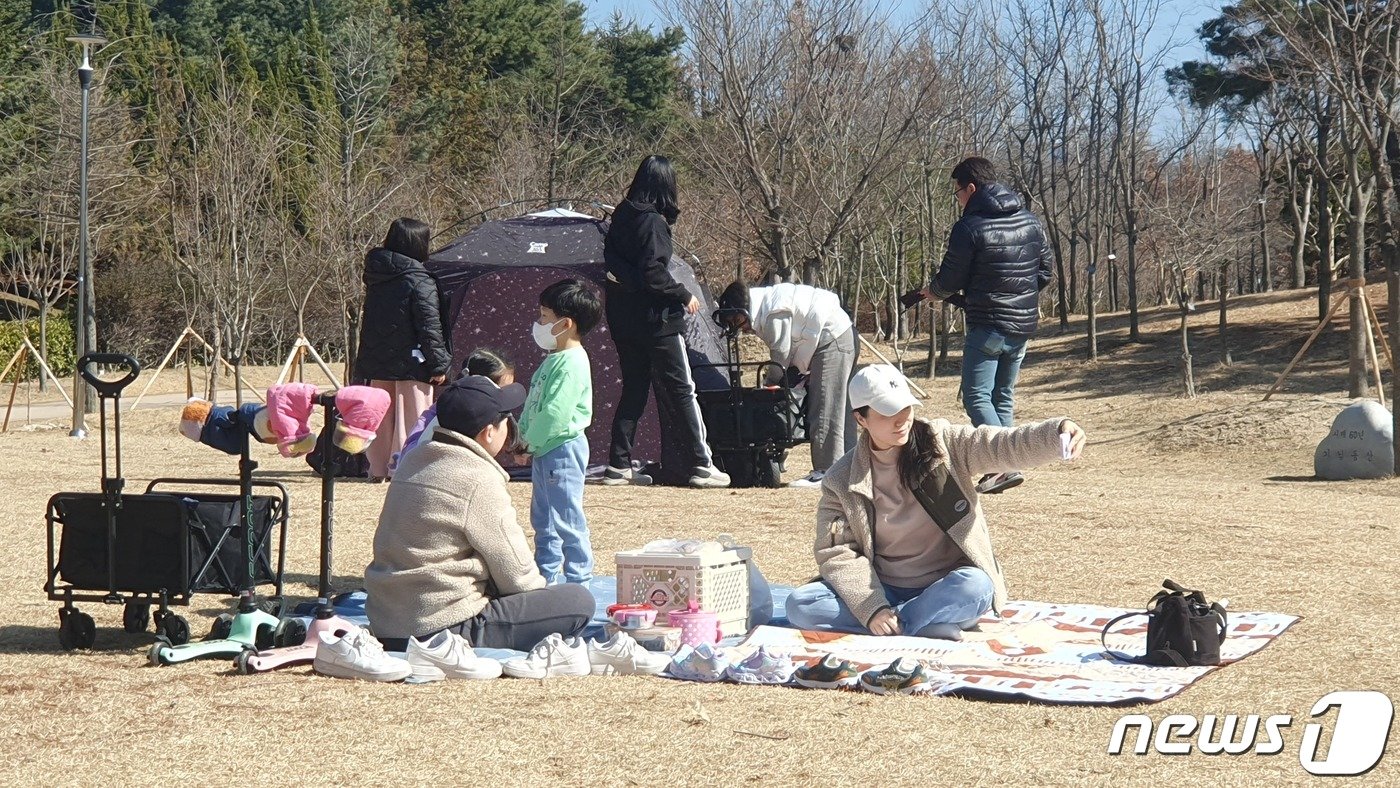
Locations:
{"points": [[960, 598], [991, 364], [562, 548]]}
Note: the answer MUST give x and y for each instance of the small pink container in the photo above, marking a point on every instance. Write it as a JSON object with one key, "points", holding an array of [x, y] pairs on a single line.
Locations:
{"points": [[697, 626]]}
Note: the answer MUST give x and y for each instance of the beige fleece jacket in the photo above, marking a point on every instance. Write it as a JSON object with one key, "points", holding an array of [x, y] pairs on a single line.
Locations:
{"points": [[448, 540], [844, 534]]}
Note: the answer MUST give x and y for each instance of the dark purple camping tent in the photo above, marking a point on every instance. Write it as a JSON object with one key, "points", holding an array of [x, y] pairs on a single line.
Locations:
{"points": [[491, 278]]}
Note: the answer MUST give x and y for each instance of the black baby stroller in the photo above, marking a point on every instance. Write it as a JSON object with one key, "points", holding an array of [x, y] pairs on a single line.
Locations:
{"points": [[750, 430], [158, 547]]}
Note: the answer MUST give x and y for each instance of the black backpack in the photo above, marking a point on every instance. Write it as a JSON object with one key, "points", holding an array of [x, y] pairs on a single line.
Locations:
{"points": [[1183, 629]]}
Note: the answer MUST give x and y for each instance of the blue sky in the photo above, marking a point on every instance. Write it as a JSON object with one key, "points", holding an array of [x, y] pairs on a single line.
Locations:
{"points": [[1177, 23]]}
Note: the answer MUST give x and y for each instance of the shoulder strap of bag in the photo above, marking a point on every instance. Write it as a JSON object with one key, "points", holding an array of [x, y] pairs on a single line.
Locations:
{"points": [[1103, 636]]}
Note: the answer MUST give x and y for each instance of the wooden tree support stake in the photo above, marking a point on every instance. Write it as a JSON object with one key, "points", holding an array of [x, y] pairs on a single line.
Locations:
{"points": [[27, 349], [298, 352]]}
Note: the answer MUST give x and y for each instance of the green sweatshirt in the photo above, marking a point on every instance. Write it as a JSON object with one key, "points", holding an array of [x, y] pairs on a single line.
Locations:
{"points": [[560, 404]]}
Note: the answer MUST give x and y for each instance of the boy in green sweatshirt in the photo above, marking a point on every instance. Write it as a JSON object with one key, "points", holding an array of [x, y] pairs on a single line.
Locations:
{"points": [[557, 411]]}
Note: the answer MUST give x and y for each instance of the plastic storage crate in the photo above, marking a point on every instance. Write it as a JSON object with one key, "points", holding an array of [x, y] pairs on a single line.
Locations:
{"points": [[718, 581]]}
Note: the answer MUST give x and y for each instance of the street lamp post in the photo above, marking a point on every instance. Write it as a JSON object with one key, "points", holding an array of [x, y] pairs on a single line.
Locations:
{"points": [[86, 328]]}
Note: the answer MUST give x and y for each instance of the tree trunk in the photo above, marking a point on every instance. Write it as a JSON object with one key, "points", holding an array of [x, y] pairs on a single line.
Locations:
{"points": [[1357, 383], [1299, 208], [1061, 294], [1392, 288], [932, 343], [1092, 310], [1073, 271], [1187, 376], [1268, 280], [1326, 244], [1133, 335], [1224, 315], [44, 343], [945, 331]]}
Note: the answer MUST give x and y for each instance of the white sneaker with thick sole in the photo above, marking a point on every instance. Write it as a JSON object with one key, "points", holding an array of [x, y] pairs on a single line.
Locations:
{"points": [[709, 477], [621, 655], [613, 477], [812, 480], [357, 655], [448, 655], [553, 656]]}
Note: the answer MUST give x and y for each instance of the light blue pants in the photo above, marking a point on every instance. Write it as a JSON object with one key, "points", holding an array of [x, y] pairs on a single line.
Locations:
{"points": [[959, 599], [991, 364], [563, 551]]}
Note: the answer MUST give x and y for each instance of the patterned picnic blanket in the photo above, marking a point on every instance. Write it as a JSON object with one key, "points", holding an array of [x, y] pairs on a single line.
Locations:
{"points": [[1036, 651]]}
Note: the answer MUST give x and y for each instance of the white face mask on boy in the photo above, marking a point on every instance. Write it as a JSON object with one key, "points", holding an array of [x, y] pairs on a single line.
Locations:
{"points": [[544, 334]]}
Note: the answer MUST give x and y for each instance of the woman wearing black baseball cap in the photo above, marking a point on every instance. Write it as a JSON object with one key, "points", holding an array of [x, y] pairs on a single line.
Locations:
{"points": [[450, 553]]}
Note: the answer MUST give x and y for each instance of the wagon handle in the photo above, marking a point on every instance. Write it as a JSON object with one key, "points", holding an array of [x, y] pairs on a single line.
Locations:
{"points": [[108, 388]]}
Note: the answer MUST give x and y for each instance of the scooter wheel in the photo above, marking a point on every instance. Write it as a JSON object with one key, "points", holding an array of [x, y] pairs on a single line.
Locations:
{"points": [[240, 663], [271, 606], [265, 638], [135, 616], [221, 627], [175, 629], [77, 630], [291, 632], [155, 655]]}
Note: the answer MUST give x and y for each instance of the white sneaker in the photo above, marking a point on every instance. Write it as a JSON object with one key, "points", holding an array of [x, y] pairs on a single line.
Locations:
{"points": [[811, 480], [616, 476], [621, 655], [357, 655], [553, 656], [709, 477], [448, 655]]}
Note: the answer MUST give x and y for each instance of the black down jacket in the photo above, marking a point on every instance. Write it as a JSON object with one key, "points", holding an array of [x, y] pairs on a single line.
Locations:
{"points": [[643, 299], [400, 314], [998, 261]]}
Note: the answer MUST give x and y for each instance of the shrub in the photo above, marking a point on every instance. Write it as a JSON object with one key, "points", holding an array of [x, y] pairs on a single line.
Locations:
{"points": [[62, 353]]}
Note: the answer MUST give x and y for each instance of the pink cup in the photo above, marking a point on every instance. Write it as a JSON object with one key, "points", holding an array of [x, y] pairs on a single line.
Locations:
{"points": [[697, 626]]}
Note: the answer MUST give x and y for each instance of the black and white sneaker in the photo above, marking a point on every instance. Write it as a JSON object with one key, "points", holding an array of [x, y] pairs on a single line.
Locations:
{"points": [[994, 483], [617, 476], [709, 476]]}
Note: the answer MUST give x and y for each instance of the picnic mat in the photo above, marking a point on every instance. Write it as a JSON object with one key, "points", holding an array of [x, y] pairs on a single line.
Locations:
{"points": [[1036, 651]]}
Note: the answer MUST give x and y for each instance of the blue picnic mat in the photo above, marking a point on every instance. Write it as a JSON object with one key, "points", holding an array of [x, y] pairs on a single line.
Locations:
{"points": [[351, 606]]}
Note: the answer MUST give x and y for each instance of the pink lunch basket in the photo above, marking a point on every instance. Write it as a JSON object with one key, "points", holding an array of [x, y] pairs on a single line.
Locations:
{"points": [[697, 626]]}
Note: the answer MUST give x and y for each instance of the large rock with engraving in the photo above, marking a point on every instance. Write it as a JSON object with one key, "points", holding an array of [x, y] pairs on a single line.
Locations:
{"points": [[1359, 446]]}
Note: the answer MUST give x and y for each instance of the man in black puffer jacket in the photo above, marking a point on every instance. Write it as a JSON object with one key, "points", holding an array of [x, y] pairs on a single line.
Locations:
{"points": [[998, 260]]}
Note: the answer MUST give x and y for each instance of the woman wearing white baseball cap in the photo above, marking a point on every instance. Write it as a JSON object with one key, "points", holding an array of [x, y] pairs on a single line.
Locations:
{"points": [[901, 542]]}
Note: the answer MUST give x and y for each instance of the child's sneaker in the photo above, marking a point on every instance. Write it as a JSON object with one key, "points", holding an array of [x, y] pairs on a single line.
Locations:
{"points": [[553, 656], [811, 481], [904, 676], [699, 664], [357, 655], [831, 672], [448, 655], [762, 667], [621, 655]]}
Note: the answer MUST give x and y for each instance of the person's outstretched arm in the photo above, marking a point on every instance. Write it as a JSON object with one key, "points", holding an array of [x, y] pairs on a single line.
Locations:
{"points": [[977, 451]]}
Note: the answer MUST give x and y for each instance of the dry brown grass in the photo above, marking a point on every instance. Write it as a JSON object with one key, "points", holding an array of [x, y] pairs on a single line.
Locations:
{"points": [[1199, 491]]}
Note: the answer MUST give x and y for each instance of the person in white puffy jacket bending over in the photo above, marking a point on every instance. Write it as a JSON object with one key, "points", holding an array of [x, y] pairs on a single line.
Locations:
{"points": [[809, 336]]}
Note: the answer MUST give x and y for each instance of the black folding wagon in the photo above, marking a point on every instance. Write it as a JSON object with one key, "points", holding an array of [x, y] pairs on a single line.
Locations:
{"points": [[160, 547], [750, 429]]}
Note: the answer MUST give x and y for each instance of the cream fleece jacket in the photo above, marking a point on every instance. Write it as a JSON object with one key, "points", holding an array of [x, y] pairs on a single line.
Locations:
{"points": [[448, 540], [844, 537]]}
